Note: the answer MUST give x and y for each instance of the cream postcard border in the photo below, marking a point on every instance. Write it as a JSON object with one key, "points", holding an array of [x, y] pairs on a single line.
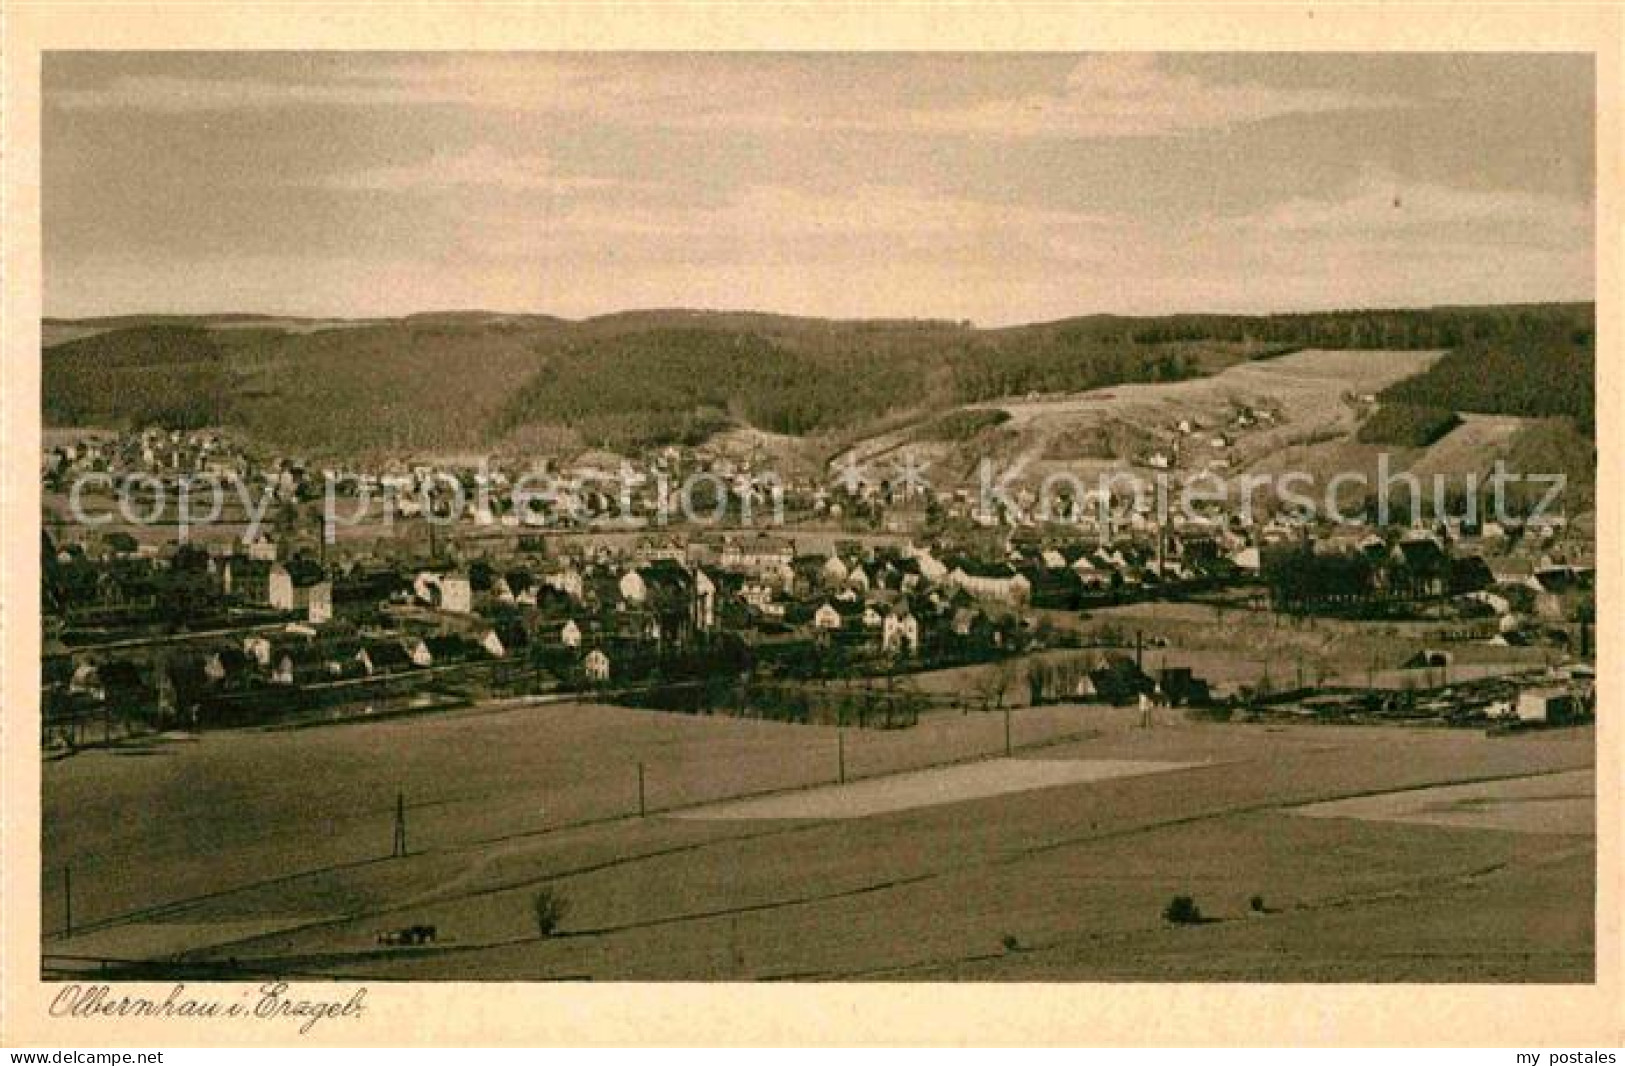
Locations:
{"points": [[1005, 1014]]}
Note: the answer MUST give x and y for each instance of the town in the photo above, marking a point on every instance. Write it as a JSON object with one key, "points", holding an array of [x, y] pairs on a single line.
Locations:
{"points": [[417, 605], [876, 517]]}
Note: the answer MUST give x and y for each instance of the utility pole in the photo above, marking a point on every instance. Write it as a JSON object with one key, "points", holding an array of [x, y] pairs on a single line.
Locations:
{"points": [[643, 808], [400, 825], [840, 756], [67, 897], [1007, 747]]}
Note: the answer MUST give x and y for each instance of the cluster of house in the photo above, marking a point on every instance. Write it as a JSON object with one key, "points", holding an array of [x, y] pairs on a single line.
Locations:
{"points": [[1207, 442], [1513, 593], [596, 614], [169, 455], [542, 492], [297, 621], [603, 615]]}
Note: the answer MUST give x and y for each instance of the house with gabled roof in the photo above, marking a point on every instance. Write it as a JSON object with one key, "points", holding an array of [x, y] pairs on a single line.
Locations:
{"points": [[596, 665], [900, 631]]}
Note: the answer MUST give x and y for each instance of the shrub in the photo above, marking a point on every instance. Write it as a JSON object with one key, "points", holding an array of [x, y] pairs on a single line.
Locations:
{"points": [[550, 909], [1257, 904], [961, 425], [1182, 910]]}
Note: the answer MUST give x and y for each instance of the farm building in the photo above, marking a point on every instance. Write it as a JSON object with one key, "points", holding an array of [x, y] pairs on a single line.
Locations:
{"points": [[1549, 705], [301, 585]]}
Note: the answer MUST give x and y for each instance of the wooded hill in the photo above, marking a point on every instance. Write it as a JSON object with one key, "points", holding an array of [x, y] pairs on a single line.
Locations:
{"points": [[482, 381]]}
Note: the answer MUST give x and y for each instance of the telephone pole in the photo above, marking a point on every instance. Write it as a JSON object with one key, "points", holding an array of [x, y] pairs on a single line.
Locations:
{"points": [[400, 825]]}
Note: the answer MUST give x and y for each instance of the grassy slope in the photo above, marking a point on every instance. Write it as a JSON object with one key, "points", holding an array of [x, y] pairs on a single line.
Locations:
{"points": [[1078, 874]]}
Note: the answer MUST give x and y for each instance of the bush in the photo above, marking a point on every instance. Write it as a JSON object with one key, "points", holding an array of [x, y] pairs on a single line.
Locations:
{"points": [[1257, 904], [961, 425], [1182, 910], [550, 909]]}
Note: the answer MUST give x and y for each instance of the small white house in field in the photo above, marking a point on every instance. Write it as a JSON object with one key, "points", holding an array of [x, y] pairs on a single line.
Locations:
{"points": [[457, 593], [597, 665], [571, 634], [1545, 705], [827, 617]]}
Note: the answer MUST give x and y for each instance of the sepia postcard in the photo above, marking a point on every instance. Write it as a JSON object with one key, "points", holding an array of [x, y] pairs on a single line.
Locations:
{"points": [[850, 525]]}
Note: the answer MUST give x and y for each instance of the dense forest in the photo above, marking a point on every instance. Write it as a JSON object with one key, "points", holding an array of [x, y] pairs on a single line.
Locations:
{"points": [[1406, 426], [1066, 361], [473, 380], [1539, 369], [171, 375]]}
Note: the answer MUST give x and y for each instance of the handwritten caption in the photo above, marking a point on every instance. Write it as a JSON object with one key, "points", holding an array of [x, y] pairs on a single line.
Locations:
{"points": [[274, 1001]]}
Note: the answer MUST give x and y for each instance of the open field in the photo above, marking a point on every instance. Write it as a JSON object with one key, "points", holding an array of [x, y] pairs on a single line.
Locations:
{"points": [[1551, 803], [1061, 876], [924, 788], [1309, 391]]}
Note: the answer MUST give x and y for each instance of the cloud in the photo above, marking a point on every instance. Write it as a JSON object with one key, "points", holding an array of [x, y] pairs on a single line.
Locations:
{"points": [[1379, 203], [775, 221], [480, 167], [1104, 95], [1132, 95]]}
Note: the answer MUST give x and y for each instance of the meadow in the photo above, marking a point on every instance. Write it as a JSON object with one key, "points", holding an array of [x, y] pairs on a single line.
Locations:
{"points": [[246, 863]]}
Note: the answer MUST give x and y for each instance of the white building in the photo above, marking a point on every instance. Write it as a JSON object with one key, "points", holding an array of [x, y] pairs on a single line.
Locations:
{"points": [[900, 633]]}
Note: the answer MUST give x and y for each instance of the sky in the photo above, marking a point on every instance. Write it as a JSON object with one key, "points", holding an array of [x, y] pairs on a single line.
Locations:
{"points": [[998, 188]]}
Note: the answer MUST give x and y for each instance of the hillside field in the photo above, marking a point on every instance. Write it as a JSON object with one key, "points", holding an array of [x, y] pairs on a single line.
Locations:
{"points": [[1063, 878]]}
